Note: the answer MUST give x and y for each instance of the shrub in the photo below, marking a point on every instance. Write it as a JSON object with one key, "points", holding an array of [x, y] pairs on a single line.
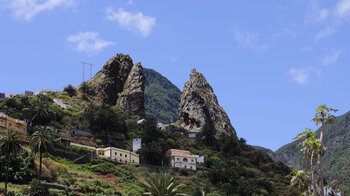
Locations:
{"points": [[37, 189], [70, 90], [21, 168]]}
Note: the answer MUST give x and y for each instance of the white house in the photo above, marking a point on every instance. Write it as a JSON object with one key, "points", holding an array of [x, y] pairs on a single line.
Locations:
{"points": [[182, 159]]}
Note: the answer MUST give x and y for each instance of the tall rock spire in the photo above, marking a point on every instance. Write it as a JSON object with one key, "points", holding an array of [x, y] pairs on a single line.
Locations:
{"points": [[199, 107]]}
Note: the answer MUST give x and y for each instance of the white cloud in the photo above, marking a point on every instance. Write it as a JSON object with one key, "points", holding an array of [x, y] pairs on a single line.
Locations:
{"points": [[316, 14], [28, 9], [88, 42], [248, 40], [132, 21], [306, 49], [300, 75], [343, 8], [332, 58], [325, 32]]}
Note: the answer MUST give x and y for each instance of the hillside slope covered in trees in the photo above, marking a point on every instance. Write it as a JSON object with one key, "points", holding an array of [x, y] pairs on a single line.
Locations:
{"points": [[336, 163], [161, 97]]}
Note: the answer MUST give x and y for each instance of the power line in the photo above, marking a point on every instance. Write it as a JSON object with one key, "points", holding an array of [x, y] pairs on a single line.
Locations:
{"points": [[85, 63]]}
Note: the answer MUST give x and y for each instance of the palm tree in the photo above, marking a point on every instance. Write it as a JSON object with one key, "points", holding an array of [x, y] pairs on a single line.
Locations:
{"points": [[40, 113], [322, 116], [10, 144], [299, 179], [41, 142], [306, 147], [162, 185]]}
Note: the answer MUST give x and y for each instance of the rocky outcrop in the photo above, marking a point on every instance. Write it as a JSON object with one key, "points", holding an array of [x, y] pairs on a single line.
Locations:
{"points": [[132, 97], [199, 107], [120, 82]]}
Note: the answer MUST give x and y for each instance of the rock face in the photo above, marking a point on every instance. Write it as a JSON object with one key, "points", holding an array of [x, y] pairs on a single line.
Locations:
{"points": [[120, 82], [132, 97], [199, 107]]}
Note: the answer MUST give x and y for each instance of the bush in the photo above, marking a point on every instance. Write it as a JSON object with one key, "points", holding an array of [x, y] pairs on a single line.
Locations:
{"points": [[21, 168], [70, 90], [37, 189], [183, 172]]}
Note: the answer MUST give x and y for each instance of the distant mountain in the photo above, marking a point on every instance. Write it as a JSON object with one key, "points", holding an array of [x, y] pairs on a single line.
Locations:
{"points": [[267, 151], [161, 97], [336, 161]]}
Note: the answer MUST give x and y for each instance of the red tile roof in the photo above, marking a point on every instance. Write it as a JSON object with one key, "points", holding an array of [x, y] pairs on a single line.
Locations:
{"points": [[183, 155], [179, 150]]}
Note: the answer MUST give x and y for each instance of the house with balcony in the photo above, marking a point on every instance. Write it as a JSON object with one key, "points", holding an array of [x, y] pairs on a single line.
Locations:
{"points": [[7, 123], [182, 159]]}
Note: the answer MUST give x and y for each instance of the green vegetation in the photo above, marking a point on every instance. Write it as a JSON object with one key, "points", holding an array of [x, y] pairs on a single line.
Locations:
{"points": [[161, 97], [163, 184], [70, 90], [232, 167], [41, 142], [10, 145]]}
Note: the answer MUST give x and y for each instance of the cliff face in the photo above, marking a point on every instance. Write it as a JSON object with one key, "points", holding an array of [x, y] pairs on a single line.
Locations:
{"points": [[199, 107], [131, 98], [120, 82]]}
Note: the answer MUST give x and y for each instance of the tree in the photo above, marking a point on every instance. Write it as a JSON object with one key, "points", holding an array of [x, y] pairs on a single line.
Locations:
{"points": [[162, 185], [70, 90], [299, 179], [207, 136], [306, 147], [40, 113], [10, 145], [323, 116], [41, 142]]}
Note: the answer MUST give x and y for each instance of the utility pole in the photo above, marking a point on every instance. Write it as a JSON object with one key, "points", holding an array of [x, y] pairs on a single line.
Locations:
{"points": [[85, 63]]}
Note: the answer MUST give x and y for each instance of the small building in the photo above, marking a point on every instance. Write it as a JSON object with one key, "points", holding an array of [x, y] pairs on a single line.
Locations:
{"points": [[81, 133], [29, 93], [7, 123], [136, 144], [119, 155], [114, 154], [64, 141], [192, 134], [182, 159], [61, 132], [140, 121]]}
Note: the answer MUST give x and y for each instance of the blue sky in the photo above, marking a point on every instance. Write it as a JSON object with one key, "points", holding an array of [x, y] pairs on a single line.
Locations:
{"points": [[270, 63]]}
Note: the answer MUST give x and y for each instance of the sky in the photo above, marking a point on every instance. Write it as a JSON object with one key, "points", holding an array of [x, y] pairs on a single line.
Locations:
{"points": [[270, 63]]}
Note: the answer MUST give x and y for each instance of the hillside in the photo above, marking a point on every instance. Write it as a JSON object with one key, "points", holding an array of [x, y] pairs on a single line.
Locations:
{"points": [[161, 97], [336, 163]]}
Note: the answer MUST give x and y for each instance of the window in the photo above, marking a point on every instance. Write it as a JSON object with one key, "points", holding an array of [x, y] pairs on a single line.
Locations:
{"points": [[185, 166], [10, 124], [185, 160], [126, 156], [192, 160], [125, 161], [17, 127], [191, 167], [133, 161], [178, 159], [115, 154], [121, 154]]}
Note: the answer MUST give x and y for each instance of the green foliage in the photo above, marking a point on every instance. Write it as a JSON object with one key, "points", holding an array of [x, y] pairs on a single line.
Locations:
{"points": [[154, 143], [70, 90], [36, 189], [21, 167], [106, 123], [161, 97], [162, 184]]}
